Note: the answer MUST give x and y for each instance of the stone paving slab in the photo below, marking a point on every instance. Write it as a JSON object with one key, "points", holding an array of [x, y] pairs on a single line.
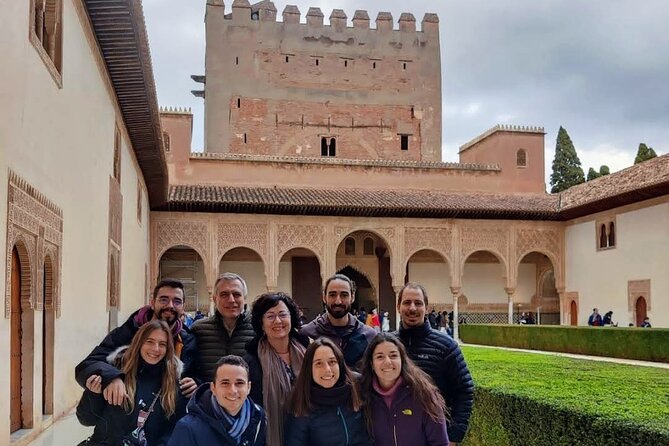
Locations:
{"points": [[65, 432]]}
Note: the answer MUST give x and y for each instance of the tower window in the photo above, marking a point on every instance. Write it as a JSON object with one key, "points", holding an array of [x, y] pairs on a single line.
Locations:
{"points": [[404, 66], [521, 158], [244, 138], [239, 103], [346, 63], [237, 60], [316, 62], [328, 146], [286, 59], [374, 65], [404, 142]]}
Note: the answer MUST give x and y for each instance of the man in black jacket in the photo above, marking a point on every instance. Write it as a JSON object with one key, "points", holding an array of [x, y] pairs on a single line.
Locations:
{"points": [[438, 355], [167, 303], [338, 324], [228, 330]]}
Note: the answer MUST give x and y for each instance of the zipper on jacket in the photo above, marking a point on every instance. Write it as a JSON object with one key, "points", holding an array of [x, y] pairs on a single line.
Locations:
{"points": [[344, 423], [395, 430]]}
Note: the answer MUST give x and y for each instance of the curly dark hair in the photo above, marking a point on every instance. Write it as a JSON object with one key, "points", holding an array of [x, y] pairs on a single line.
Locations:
{"points": [[267, 301]]}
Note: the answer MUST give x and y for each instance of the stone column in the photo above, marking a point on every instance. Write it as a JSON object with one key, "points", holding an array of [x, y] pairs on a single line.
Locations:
{"points": [[456, 330], [396, 289], [210, 292], [510, 292]]}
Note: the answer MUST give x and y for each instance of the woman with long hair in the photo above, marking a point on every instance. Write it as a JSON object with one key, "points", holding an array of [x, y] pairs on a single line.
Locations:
{"points": [[402, 406], [150, 372], [274, 357], [325, 406]]}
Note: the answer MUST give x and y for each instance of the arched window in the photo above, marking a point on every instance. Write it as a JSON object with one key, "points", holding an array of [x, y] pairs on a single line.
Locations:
{"points": [[612, 235], [603, 240], [328, 146], [349, 246], [166, 141], [368, 246], [521, 158]]}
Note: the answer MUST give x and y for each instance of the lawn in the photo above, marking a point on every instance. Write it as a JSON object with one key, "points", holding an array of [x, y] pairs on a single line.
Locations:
{"points": [[597, 392]]}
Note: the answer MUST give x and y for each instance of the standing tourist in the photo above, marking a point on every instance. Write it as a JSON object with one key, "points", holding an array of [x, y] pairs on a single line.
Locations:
{"points": [[595, 319]]}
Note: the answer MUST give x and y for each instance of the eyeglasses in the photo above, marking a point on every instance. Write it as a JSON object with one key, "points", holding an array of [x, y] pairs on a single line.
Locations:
{"points": [[271, 317], [166, 300]]}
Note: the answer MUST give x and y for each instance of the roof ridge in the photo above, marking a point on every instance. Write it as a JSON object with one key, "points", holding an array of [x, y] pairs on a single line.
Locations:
{"points": [[501, 128]]}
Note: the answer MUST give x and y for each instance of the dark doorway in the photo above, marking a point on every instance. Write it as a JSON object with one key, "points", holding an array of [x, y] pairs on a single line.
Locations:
{"points": [[573, 313], [16, 359], [641, 310], [364, 293], [306, 280]]}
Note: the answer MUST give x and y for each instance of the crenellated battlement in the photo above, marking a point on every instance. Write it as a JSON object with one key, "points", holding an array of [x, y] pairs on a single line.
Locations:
{"points": [[265, 11], [176, 110], [501, 128]]}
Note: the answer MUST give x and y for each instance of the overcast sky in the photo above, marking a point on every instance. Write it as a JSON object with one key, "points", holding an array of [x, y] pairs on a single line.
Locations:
{"points": [[599, 68]]}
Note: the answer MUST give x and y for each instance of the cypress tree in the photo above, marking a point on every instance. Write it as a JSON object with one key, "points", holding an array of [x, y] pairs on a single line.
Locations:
{"points": [[592, 174], [567, 171], [644, 153]]}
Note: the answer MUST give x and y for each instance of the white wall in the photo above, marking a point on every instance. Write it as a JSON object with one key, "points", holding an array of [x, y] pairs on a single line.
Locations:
{"points": [[435, 278], [641, 252], [61, 142], [253, 274]]}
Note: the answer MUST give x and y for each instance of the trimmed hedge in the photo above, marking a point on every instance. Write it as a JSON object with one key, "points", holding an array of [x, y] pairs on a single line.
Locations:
{"points": [[532, 399], [646, 344]]}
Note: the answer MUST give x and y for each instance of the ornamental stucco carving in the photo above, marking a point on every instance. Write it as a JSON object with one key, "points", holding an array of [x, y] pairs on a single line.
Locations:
{"points": [[35, 227], [232, 235], [477, 238], [546, 241], [437, 239], [386, 233], [301, 236], [170, 233]]}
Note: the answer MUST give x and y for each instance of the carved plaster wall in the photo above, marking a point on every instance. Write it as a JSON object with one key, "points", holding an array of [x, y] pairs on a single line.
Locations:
{"points": [[35, 227], [492, 238], [301, 236], [544, 241], [435, 239]]}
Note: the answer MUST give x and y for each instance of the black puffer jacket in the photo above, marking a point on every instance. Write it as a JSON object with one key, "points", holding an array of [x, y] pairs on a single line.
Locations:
{"points": [[96, 362], [213, 341], [439, 355], [327, 426]]}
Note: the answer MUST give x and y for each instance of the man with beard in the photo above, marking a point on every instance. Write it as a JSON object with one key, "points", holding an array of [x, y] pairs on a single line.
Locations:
{"points": [[338, 324], [438, 355], [166, 304]]}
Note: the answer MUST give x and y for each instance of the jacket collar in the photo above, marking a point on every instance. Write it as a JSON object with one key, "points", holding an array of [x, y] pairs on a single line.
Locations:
{"points": [[420, 331]]}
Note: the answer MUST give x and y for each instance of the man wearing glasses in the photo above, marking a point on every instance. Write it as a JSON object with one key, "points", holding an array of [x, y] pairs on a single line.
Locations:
{"points": [[167, 304]]}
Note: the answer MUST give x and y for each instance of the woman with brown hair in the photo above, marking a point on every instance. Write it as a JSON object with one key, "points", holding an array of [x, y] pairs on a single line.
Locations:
{"points": [[402, 405], [274, 357], [325, 406], [150, 371]]}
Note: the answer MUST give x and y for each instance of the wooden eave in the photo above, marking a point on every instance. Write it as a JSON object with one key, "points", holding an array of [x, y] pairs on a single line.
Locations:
{"points": [[121, 35]]}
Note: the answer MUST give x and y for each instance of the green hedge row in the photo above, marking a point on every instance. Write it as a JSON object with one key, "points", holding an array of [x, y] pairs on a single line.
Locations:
{"points": [[541, 400], [631, 343]]}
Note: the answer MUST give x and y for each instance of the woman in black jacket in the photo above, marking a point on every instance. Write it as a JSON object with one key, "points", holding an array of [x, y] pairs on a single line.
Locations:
{"points": [[325, 407], [153, 402]]}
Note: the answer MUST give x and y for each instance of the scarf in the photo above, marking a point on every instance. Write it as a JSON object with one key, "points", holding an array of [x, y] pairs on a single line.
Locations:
{"points": [[277, 383], [236, 426], [339, 395], [145, 314]]}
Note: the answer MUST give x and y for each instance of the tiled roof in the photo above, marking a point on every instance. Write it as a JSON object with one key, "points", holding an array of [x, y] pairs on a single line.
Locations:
{"points": [[637, 183], [121, 34], [500, 128], [358, 202]]}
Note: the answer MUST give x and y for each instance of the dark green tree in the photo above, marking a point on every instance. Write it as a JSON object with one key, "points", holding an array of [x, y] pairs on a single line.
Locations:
{"points": [[604, 170], [644, 153], [567, 171], [592, 174]]}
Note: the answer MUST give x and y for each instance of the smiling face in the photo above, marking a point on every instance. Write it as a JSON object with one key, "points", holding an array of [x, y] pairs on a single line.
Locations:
{"points": [[154, 348], [412, 307], [387, 364], [168, 304], [231, 386], [325, 367], [229, 295], [338, 299], [276, 322]]}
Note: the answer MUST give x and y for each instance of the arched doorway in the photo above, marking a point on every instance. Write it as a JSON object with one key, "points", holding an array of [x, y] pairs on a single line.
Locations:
{"points": [[16, 421], [21, 341], [536, 290], [365, 293], [250, 266], [300, 276], [185, 264], [483, 282], [48, 335], [573, 313], [431, 270], [641, 309], [368, 256]]}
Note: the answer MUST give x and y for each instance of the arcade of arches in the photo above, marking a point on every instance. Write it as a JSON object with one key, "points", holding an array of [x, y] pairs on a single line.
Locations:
{"points": [[488, 271]]}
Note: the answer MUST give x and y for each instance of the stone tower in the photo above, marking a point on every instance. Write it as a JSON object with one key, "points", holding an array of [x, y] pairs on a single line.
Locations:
{"points": [[313, 90]]}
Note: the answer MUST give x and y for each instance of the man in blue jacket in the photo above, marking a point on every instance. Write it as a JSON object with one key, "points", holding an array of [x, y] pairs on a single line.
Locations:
{"points": [[167, 303], [438, 355]]}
